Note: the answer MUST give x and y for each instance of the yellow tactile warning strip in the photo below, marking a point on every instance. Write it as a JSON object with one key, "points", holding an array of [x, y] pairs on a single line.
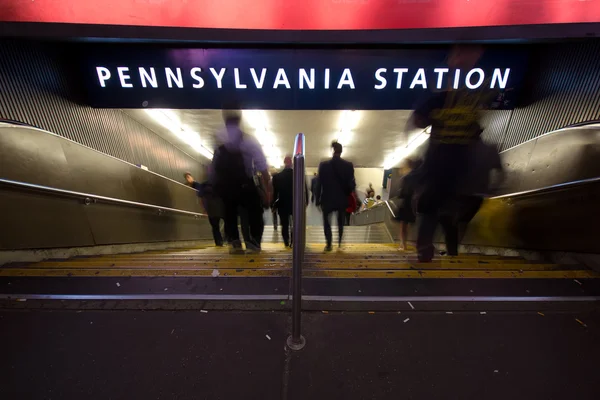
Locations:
{"points": [[352, 261]]}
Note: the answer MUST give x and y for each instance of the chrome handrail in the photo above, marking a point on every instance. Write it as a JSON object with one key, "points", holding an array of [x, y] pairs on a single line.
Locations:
{"points": [[296, 341], [390, 208], [549, 188], [89, 197]]}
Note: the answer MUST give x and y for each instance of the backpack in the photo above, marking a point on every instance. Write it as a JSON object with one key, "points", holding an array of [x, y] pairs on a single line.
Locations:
{"points": [[230, 172]]}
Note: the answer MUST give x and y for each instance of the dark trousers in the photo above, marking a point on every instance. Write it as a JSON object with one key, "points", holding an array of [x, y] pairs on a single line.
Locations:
{"points": [[348, 215], [246, 204], [434, 205], [285, 216], [341, 214], [427, 225], [275, 219], [454, 218], [215, 223]]}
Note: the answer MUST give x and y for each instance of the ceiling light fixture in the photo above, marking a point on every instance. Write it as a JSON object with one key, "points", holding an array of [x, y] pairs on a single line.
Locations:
{"points": [[170, 121], [402, 152], [349, 120], [258, 121], [347, 123]]}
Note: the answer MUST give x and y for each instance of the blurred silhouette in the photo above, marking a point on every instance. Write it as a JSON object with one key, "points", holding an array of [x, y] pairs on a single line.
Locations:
{"points": [[283, 195], [453, 116], [212, 205], [485, 176], [336, 183], [234, 167], [401, 200], [273, 205]]}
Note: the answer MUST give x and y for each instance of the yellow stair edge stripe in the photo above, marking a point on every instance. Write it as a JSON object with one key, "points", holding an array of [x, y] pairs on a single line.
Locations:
{"points": [[225, 272], [287, 265]]}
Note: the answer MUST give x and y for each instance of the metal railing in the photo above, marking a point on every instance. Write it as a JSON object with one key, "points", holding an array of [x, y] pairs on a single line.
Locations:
{"points": [[89, 198], [551, 188], [296, 341]]}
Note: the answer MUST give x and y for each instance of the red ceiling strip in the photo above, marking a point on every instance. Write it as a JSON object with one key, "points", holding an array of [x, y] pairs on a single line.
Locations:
{"points": [[303, 14]]}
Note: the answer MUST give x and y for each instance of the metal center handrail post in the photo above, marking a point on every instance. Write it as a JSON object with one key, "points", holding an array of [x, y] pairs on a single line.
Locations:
{"points": [[296, 341]]}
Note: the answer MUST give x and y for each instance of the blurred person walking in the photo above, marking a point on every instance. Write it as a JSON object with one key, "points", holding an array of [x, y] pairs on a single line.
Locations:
{"points": [[274, 206], [235, 164], [283, 195], [213, 206], [401, 202], [336, 184], [453, 116], [485, 175]]}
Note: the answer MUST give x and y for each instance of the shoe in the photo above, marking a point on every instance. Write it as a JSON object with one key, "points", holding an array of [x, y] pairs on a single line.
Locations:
{"points": [[253, 247], [287, 245], [236, 247], [328, 248], [219, 244]]}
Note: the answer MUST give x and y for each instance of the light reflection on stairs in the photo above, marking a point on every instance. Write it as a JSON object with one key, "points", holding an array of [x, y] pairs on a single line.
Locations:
{"points": [[352, 234]]}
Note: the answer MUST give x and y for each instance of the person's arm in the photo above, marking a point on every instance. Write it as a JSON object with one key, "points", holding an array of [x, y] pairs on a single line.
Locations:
{"points": [[419, 119], [352, 183], [275, 191], [212, 175], [318, 186], [306, 194], [261, 165]]}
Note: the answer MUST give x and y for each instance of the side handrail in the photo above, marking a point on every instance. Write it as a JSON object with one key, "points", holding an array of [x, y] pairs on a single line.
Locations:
{"points": [[296, 341], [549, 188], [89, 198]]}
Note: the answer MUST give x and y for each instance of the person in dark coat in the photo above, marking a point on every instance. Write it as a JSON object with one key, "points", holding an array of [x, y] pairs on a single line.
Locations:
{"points": [[283, 195], [336, 184], [405, 213], [212, 205]]}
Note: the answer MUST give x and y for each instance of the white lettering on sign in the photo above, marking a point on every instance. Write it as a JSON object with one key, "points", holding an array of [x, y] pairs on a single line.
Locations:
{"points": [[150, 78], [123, 77], [281, 79], [238, 83], [259, 82], [103, 75], [174, 77], [472, 85], [218, 76], [501, 79], [380, 78], [400, 72], [346, 79], [419, 79], [199, 80], [303, 78], [456, 79], [440, 79]]}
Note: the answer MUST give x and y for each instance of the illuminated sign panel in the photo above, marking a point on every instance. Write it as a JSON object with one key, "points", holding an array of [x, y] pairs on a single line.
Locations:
{"points": [[305, 14], [292, 79]]}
